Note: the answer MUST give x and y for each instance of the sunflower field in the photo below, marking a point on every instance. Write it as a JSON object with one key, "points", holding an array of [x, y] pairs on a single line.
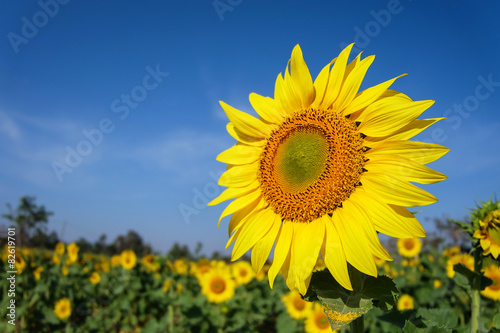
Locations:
{"points": [[64, 290]]}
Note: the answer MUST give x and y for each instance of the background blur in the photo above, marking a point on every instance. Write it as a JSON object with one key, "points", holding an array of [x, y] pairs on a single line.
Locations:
{"points": [[109, 111]]}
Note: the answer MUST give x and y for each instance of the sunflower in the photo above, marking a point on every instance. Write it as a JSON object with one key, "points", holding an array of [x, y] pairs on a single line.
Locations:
{"points": [[323, 169], [19, 263], [452, 251], [62, 309], [465, 259], [73, 252], [317, 321], [217, 285], [409, 247], [166, 285], [242, 272], [489, 234], [95, 278], [64, 271], [295, 306], [179, 266], [116, 260], [150, 262], [37, 272], [128, 259], [492, 291], [59, 248], [437, 283], [405, 302]]}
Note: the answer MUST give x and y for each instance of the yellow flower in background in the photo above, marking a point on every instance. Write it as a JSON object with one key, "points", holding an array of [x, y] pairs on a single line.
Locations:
{"points": [[62, 308], [489, 234], [323, 169], [379, 262], [73, 252], [102, 265], [149, 261], [242, 272], [452, 251], [405, 302], [409, 247], [296, 307], [116, 260], [178, 290], [492, 291], [217, 285], [19, 263], [64, 270], [179, 266], [56, 259], [37, 272], [317, 321], [128, 259], [59, 248], [166, 285], [95, 278], [262, 274], [437, 284], [465, 259]]}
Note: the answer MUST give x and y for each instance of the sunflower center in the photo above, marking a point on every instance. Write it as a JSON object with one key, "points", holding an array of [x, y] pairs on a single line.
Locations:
{"points": [[218, 285], [243, 272], [299, 304], [311, 163], [409, 244], [322, 321], [496, 283]]}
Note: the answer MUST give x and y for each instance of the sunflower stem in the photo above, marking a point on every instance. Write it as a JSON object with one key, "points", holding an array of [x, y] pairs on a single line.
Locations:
{"points": [[171, 318], [476, 298], [357, 325]]}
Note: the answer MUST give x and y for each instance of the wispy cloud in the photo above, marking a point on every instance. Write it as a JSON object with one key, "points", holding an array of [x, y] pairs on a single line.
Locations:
{"points": [[9, 127]]}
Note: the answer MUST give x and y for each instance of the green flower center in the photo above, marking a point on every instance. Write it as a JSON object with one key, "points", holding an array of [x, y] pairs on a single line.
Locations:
{"points": [[300, 159]]}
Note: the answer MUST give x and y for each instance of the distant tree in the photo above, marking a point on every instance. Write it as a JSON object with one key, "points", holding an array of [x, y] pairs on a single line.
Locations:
{"points": [[177, 251], [28, 218], [43, 240], [132, 241]]}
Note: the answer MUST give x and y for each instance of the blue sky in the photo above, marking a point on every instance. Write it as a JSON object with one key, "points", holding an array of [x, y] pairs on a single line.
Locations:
{"points": [[133, 88]]}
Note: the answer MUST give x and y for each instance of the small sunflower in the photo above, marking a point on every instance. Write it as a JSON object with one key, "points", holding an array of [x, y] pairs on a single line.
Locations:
{"points": [[492, 291], [295, 306], [95, 278], [128, 259], [242, 272], [409, 247], [59, 248], [217, 285], [317, 321], [19, 263], [178, 288], [405, 302], [64, 270], [166, 285], [489, 234], [437, 283], [62, 309], [179, 266], [73, 252], [465, 259], [323, 169], [37, 272], [452, 251], [116, 260], [149, 261]]}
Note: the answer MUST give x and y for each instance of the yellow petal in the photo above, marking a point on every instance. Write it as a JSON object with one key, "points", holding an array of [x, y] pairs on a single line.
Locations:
{"points": [[242, 215], [281, 250], [239, 175], [240, 203], [306, 245], [233, 192], [336, 77], [240, 154], [404, 169], [320, 84], [262, 248], [395, 191], [394, 221], [420, 152], [283, 97], [252, 231], [389, 114], [245, 123], [362, 219], [356, 248], [406, 132], [368, 96], [334, 255], [301, 78], [351, 84], [249, 140], [267, 108]]}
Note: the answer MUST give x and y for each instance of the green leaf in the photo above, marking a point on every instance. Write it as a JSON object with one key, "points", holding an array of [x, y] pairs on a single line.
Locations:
{"points": [[496, 321], [443, 318], [285, 324], [472, 277]]}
